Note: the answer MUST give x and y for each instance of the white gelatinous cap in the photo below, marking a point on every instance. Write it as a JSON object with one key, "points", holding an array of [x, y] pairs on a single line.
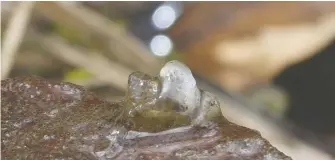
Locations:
{"points": [[179, 85]]}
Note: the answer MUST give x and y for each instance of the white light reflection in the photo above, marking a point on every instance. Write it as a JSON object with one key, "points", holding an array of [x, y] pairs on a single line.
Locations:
{"points": [[164, 16], [161, 45]]}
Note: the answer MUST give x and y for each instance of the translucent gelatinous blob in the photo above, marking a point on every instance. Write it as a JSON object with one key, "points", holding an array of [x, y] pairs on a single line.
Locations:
{"points": [[209, 109], [175, 83], [178, 84], [143, 90]]}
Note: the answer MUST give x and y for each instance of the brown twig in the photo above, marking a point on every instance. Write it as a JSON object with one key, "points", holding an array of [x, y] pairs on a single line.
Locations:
{"points": [[125, 46], [14, 35], [104, 71]]}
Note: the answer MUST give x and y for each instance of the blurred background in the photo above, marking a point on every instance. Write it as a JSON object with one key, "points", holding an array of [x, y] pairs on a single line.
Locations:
{"points": [[272, 64]]}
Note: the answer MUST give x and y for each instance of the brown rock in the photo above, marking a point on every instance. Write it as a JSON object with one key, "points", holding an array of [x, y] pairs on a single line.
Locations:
{"points": [[50, 120]]}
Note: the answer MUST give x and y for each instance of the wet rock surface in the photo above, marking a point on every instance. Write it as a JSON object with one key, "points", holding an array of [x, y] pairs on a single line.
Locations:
{"points": [[49, 120]]}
